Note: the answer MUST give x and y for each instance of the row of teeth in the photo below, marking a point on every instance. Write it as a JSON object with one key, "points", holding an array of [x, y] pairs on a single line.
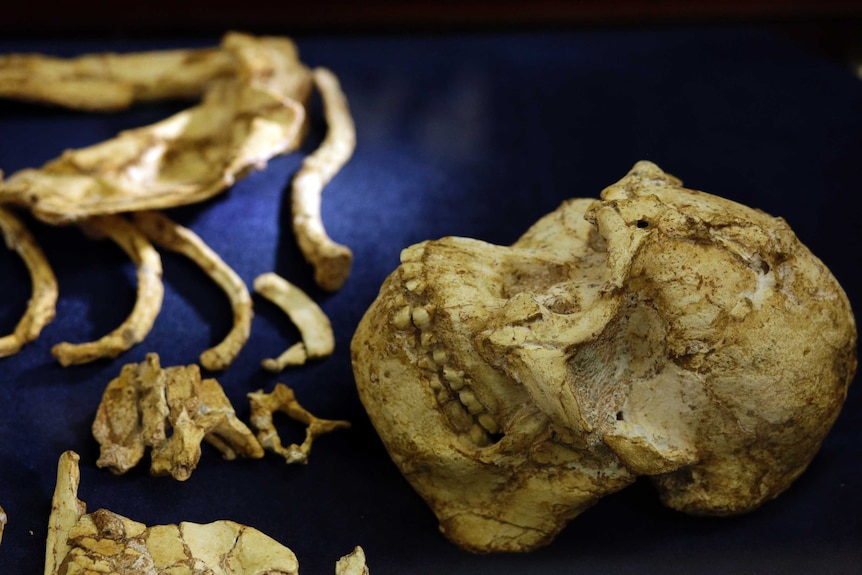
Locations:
{"points": [[451, 386]]}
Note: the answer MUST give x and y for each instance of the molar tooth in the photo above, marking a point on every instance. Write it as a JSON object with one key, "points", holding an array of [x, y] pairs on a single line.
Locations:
{"points": [[410, 270], [458, 417], [401, 318], [426, 363], [421, 318], [415, 285], [454, 377], [468, 398], [440, 356], [488, 422], [479, 436], [413, 253], [427, 339]]}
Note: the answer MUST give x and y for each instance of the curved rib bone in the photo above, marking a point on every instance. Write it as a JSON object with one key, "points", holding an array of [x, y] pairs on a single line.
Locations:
{"points": [[150, 293], [331, 260], [177, 238], [42, 305]]}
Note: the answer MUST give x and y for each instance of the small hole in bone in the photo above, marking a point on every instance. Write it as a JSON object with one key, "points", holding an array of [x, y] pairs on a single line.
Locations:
{"points": [[642, 224], [764, 267], [619, 416]]}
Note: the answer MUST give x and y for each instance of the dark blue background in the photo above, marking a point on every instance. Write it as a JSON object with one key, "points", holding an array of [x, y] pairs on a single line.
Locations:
{"points": [[473, 135]]}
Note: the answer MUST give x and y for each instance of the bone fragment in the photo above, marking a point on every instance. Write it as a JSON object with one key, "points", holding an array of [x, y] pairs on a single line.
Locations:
{"points": [[253, 108], [42, 305], [3, 520], [657, 331], [170, 235], [283, 399], [141, 406], [331, 261], [352, 564], [66, 510], [313, 324], [108, 82], [149, 301], [106, 542]]}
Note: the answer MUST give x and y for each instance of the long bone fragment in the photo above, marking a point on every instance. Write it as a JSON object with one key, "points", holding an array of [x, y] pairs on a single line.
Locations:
{"points": [[314, 327], [172, 236], [108, 82], [42, 305], [149, 301], [331, 260]]}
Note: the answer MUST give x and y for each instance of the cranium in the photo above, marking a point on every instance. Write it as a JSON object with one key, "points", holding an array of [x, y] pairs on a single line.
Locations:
{"points": [[658, 331]]}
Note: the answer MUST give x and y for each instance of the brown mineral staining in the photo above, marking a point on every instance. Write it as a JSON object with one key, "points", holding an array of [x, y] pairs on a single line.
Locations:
{"points": [[658, 331], [105, 542], [282, 399], [171, 411]]}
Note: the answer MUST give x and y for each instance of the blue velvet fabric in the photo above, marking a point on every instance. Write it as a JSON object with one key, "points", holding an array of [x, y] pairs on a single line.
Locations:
{"points": [[472, 135]]}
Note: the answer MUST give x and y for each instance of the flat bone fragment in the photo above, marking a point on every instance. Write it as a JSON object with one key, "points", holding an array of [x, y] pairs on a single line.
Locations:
{"points": [[106, 542], [147, 306], [108, 82], [331, 260], [171, 411], [313, 324], [658, 331], [251, 113], [43, 301], [172, 236], [283, 399]]}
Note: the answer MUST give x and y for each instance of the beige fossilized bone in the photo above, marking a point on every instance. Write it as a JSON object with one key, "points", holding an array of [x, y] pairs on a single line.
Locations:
{"points": [[42, 305], [658, 331], [283, 399], [105, 542], [3, 521], [172, 411], [313, 324], [254, 94], [149, 301], [171, 236]]}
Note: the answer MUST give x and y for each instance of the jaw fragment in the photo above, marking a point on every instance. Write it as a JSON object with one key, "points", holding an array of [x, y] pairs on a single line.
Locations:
{"points": [[169, 235], [149, 301], [42, 305]]}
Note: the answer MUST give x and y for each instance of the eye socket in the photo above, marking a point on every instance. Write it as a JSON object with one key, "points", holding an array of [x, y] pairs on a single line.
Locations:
{"points": [[642, 224]]}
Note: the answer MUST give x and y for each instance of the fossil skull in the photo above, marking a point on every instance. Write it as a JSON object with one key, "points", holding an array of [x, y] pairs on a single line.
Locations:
{"points": [[658, 331]]}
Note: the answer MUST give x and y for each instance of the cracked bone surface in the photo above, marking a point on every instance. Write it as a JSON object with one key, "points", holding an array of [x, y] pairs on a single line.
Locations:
{"points": [[659, 331], [105, 542]]}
